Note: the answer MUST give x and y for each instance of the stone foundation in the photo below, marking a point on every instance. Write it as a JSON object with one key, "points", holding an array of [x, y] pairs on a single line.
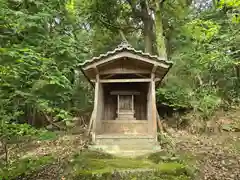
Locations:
{"points": [[124, 127], [126, 145]]}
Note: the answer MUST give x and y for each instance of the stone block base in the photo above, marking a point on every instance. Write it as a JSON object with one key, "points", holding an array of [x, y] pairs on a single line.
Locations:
{"points": [[126, 145]]}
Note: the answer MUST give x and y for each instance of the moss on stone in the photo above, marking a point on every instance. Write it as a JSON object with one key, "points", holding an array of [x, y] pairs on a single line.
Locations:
{"points": [[93, 165], [163, 156], [99, 166], [137, 175]]}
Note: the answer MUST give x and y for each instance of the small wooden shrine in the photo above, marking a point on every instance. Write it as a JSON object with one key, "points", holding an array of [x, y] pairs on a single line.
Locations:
{"points": [[125, 80]]}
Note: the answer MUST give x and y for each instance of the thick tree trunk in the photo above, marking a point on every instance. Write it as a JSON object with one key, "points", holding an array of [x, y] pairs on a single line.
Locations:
{"points": [[147, 27], [145, 15], [160, 39], [148, 41]]}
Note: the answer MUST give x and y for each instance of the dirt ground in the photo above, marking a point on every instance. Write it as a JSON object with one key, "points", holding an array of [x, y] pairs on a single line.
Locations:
{"points": [[216, 156]]}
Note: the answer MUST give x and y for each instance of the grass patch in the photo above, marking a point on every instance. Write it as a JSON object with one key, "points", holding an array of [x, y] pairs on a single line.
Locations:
{"points": [[163, 156], [98, 166], [92, 165], [185, 159], [23, 167]]}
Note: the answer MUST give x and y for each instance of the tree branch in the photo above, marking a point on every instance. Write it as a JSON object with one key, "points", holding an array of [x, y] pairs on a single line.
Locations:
{"points": [[122, 35], [200, 80], [135, 11], [51, 122], [118, 27]]}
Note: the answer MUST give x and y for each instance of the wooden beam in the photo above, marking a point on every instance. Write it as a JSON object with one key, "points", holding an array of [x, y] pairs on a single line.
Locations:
{"points": [[140, 75], [122, 80], [157, 79], [120, 70], [128, 55], [154, 68], [108, 76], [125, 93], [96, 70]]}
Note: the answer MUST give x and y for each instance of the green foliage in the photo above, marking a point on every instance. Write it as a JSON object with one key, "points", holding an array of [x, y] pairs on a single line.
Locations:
{"points": [[205, 74], [23, 167], [201, 30], [12, 133], [203, 77], [42, 43], [46, 135], [233, 7], [40, 48]]}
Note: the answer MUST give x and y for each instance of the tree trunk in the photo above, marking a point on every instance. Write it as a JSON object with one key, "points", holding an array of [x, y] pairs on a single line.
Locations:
{"points": [[160, 39], [148, 41], [6, 152], [147, 27]]}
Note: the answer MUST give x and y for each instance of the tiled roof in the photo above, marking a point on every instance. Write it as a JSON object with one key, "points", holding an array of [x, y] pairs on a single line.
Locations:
{"points": [[125, 47]]}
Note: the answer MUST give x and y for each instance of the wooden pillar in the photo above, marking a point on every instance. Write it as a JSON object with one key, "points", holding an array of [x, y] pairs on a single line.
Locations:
{"points": [[149, 108], [118, 105], [95, 109], [132, 103], [153, 106]]}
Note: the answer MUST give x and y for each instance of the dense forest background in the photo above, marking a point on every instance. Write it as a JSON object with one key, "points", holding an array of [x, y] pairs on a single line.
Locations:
{"points": [[43, 41]]}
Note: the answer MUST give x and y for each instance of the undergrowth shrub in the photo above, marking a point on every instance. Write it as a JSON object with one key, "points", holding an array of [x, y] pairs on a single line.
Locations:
{"points": [[23, 167], [12, 133]]}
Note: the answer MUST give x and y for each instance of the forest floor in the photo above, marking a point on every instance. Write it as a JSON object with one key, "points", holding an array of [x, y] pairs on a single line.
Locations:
{"points": [[216, 156]]}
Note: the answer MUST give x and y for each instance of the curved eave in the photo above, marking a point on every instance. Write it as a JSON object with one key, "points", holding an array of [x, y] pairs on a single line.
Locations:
{"points": [[128, 52], [125, 49]]}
